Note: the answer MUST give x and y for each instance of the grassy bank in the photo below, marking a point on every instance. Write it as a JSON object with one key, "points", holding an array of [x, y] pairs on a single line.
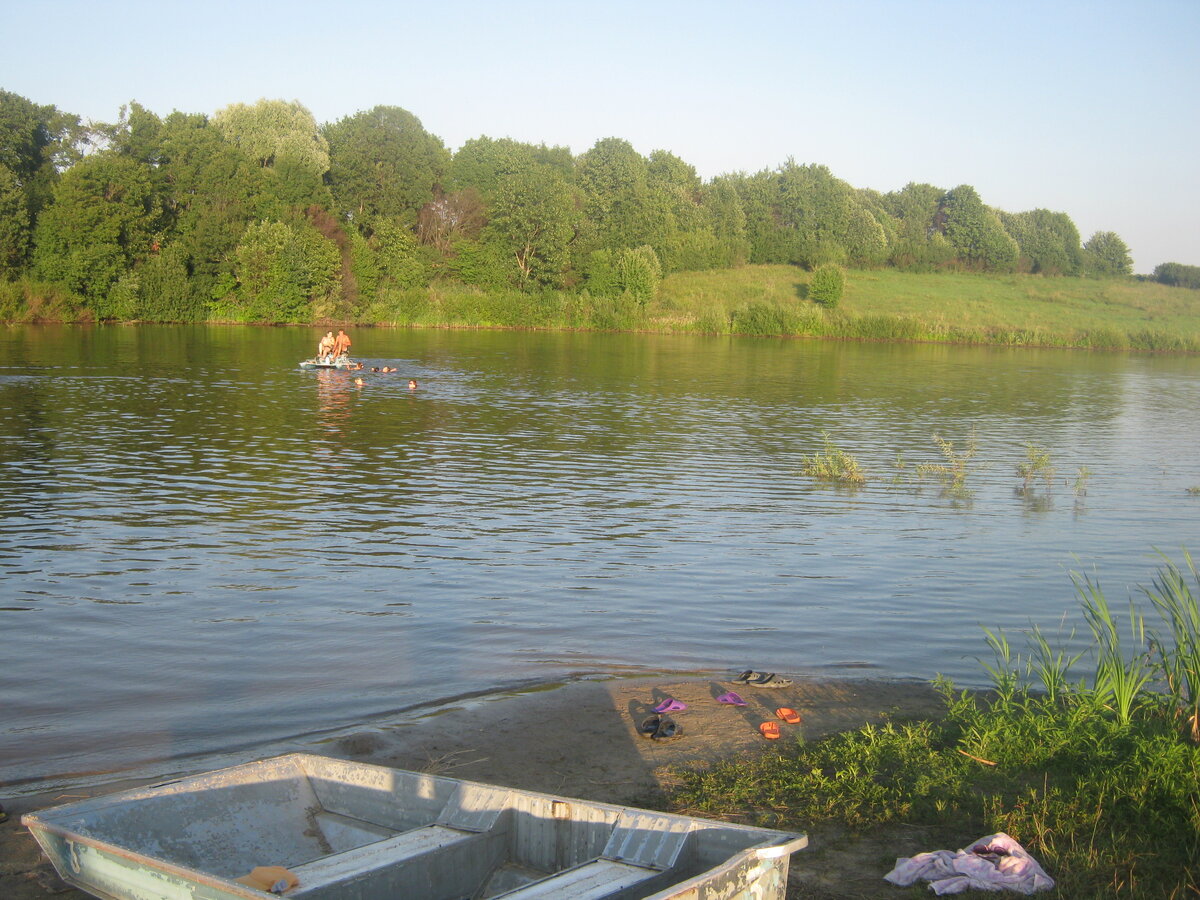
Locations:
{"points": [[882, 305], [1099, 777], [886, 304]]}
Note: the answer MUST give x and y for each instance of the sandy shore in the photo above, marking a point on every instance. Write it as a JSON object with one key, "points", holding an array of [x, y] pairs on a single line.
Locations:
{"points": [[580, 740]]}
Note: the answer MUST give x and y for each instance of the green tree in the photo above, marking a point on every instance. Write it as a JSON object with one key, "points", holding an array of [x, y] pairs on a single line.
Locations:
{"points": [[283, 139], [918, 244], [728, 217], [1105, 254], [612, 178], [36, 144], [282, 272], [396, 253], [1177, 275], [100, 224], [483, 164], [383, 162], [14, 225], [211, 191], [1048, 242], [975, 232], [532, 221]]}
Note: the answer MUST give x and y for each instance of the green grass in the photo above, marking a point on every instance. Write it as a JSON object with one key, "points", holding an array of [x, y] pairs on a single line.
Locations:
{"points": [[885, 304], [1098, 778]]}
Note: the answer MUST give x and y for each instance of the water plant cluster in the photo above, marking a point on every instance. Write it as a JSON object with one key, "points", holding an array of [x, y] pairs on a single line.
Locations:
{"points": [[834, 464], [1097, 775]]}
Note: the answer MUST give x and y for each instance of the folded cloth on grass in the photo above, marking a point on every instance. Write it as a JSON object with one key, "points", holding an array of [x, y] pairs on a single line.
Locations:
{"points": [[993, 863]]}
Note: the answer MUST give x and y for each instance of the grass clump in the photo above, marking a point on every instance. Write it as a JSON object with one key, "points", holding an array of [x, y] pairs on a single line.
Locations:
{"points": [[833, 464], [1099, 778]]}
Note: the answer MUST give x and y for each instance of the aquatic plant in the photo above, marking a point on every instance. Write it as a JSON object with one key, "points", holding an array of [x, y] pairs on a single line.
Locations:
{"points": [[954, 470], [1119, 680], [833, 464], [1081, 481], [1037, 464], [1179, 660]]}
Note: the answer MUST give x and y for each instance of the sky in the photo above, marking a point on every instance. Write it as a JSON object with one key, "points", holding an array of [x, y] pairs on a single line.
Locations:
{"points": [[1088, 108]]}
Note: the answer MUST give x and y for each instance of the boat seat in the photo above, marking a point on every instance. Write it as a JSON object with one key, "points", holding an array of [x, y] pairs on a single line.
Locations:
{"points": [[590, 881], [349, 863]]}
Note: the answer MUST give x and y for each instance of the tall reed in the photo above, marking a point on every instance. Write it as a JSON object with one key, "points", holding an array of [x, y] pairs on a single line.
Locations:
{"points": [[1118, 679], [1172, 595]]}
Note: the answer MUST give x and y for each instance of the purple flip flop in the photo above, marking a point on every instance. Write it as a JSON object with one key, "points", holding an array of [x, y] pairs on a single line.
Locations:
{"points": [[670, 705], [731, 697]]}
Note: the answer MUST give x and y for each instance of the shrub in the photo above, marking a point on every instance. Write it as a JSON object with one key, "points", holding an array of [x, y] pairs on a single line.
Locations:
{"points": [[826, 285]]}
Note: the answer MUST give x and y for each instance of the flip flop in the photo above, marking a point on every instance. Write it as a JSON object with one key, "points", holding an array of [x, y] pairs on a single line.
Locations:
{"points": [[670, 705], [788, 715], [770, 730], [745, 676], [668, 729], [731, 697], [649, 726], [768, 680]]}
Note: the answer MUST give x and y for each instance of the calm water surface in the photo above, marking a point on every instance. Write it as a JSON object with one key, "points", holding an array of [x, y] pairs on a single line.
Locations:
{"points": [[204, 547]]}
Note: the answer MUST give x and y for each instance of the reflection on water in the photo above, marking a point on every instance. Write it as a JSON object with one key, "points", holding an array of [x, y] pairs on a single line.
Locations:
{"points": [[204, 546]]}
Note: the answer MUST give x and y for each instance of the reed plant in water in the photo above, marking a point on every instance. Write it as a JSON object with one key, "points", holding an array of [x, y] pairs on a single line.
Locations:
{"points": [[833, 464], [1037, 464], [1051, 666], [1081, 481], [953, 471], [1179, 660], [1120, 677]]}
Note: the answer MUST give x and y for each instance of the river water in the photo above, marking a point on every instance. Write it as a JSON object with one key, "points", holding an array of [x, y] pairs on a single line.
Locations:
{"points": [[204, 547]]}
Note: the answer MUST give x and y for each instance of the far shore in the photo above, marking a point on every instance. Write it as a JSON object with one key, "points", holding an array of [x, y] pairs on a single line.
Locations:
{"points": [[577, 739]]}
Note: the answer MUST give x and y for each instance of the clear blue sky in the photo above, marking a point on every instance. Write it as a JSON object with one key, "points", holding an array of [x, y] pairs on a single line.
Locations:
{"points": [[1089, 108]]}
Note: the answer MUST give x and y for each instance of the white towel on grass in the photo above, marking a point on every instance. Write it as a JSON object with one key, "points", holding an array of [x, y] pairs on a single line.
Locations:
{"points": [[993, 863]]}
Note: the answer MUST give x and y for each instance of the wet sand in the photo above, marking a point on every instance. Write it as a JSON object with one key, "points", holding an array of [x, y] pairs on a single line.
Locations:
{"points": [[577, 740]]}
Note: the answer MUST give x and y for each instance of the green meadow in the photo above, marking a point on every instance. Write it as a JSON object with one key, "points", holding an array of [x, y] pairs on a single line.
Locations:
{"points": [[887, 304]]}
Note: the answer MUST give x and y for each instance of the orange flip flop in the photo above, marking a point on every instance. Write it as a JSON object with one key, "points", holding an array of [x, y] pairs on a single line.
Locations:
{"points": [[770, 730], [788, 715]]}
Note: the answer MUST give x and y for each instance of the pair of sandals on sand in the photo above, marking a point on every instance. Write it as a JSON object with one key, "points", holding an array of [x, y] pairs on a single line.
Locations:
{"points": [[661, 727], [761, 679]]}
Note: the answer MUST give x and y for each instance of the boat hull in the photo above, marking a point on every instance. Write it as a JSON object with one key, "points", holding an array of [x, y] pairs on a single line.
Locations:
{"points": [[352, 831]]}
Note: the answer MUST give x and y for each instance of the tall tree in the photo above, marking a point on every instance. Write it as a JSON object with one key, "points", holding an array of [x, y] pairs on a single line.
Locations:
{"points": [[1106, 254], [101, 222], [383, 162], [612, 178], [1048, 241], [36, 143], [14, 225], [975, 231], [532, 219], [284, 140]]}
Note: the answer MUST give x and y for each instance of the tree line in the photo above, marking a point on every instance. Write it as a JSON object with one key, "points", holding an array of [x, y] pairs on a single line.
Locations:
{"points": [[259, 213]]}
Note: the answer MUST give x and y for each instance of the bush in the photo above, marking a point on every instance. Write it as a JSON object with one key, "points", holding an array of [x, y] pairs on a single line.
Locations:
{"points": [[826, 285]]}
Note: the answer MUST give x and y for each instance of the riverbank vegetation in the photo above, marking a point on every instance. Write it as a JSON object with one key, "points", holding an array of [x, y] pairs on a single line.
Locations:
{"points": [[1098, 777], [257, 213]]}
